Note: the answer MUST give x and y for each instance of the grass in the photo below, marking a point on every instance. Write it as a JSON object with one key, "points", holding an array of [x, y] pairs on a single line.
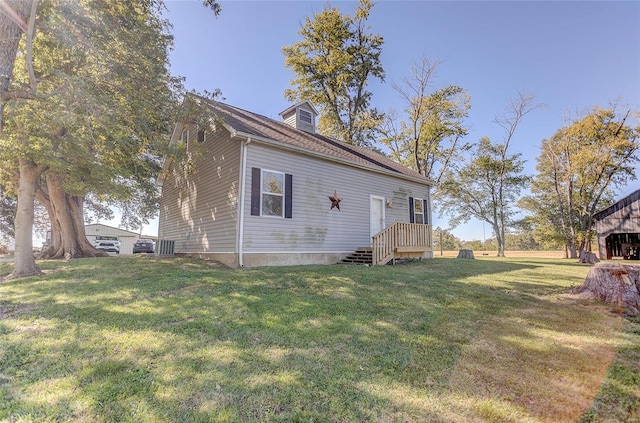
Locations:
{"points": [[443, 340]]}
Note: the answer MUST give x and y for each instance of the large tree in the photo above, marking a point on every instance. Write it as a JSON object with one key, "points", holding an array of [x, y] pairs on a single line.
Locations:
{"points": [[17, 18], [579, 169], [333, 63], [103, 103], [488, 183], [429, 138]]}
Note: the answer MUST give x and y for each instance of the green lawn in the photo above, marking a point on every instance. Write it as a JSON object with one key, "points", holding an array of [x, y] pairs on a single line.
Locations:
{"points": [[443, 340]]}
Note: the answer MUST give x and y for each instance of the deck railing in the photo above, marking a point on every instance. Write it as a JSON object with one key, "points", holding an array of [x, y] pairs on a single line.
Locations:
{"points": [[401, 240]]}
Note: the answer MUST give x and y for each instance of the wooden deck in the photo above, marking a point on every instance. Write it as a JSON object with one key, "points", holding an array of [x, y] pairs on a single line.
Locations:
{"points": [[401, 240]]}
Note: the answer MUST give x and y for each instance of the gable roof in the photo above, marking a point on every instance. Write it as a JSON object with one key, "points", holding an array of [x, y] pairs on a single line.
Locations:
{"points": [[295, 106], [626, 201], [260, 128]]}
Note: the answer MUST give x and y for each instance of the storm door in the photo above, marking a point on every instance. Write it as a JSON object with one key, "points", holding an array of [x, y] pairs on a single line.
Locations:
{"points": [[377, 214]]}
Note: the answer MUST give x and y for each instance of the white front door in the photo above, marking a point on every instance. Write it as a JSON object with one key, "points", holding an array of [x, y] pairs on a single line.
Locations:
{"points": [[377, 214]]}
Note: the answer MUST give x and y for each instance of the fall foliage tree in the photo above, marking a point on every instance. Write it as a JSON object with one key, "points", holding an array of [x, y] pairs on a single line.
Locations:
{"points": [[429, 138], [579, 169], [487, 184], [333, 64]]}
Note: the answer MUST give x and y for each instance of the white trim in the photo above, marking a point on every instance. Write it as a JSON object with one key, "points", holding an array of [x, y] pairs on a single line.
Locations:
{"points": [[241, 194], [284, 177], [297, 105], [421, 201]]}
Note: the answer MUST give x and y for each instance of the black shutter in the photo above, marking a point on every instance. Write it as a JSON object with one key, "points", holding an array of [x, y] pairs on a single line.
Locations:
{"points": [[426, 214], [255, 191], [200, 136], [288, 196], [412, 218]]}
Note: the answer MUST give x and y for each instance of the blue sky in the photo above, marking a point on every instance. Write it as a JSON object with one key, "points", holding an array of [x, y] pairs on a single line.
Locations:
{"points": [[571, 55]]}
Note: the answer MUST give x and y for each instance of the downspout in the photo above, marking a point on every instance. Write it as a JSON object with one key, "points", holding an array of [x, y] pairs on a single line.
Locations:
{"points": [[241, 195]]}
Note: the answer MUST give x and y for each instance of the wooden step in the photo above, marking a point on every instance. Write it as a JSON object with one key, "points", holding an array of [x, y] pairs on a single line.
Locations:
{"points": [[362, 255]]}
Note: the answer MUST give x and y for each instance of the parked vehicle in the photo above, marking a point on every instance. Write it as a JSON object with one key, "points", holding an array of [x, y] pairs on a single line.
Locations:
{"points": [[108, 243], [143, 246]]}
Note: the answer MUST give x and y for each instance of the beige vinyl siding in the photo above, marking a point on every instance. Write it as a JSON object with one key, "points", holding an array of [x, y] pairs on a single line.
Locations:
{"points": [[290, 118], [198, 211], [314, 227]]}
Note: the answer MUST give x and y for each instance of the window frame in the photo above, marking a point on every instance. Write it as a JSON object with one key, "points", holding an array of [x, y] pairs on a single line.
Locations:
{"points": [[417, 213], [413, 213], [306, 113], [256, 196], [263, 193]]}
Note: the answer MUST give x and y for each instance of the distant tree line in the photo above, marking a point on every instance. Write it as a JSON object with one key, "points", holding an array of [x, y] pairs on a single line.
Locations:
{"points": [[522, 241]]}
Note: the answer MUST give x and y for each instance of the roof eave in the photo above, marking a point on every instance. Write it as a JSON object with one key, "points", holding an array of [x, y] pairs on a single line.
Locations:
{"points": [[166, 163], [295, 106], [260, 139]]}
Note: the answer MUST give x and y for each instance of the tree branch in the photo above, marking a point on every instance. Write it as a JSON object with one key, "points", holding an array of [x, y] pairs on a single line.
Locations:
{"points": [[13, 16], [33, 82]]}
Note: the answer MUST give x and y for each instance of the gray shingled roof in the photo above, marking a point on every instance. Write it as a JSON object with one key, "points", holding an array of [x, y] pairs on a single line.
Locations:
{"points": [[253, 124]]}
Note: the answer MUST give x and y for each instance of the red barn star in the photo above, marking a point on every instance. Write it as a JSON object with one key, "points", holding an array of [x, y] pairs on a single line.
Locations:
{"points": [[335, 201]]}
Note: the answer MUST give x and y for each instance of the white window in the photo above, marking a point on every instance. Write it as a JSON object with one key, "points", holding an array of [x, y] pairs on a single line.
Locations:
{"points": [[272, 193], [418, 210], [184, 137]]}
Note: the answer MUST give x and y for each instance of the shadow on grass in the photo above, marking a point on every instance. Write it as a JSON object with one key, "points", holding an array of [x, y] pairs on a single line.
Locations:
{"points": [[177, 341], [619, 396]]}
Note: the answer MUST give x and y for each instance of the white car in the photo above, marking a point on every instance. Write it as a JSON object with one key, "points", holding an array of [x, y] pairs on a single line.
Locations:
{"points": [[108, 243]]}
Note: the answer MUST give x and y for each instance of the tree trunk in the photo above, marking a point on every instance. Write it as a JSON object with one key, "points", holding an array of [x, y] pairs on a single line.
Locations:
{"points": [[614, 283], [55, 240], [68, 239], [10, 35], [468, 254], [24, 261], [588, 257]]}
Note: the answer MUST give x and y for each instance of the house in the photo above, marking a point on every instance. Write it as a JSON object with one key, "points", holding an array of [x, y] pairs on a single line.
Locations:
{"points": [[254, 191], [618, 229]]}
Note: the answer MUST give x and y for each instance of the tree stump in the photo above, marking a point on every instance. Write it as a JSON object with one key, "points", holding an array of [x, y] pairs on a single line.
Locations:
{"points": [[465, 254], [588, 257], [614, 283]]}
